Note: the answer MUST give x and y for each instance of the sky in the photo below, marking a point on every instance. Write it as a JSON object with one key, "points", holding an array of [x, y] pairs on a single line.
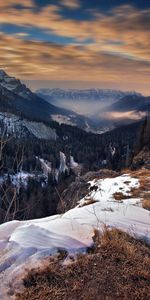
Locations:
{"points": [[77, 43]]}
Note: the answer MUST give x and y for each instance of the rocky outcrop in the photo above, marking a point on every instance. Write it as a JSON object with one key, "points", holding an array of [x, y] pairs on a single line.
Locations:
{"points": [[79, 188], [142, 159]]}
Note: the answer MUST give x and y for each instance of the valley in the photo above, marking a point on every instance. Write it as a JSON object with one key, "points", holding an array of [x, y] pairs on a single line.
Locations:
{"points": [[60, 182], [74, 150]]}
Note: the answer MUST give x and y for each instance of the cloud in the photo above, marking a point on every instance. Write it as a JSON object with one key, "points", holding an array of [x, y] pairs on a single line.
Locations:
{"points": [[73, 4], [12, 3], [126, 24], [118, 51], [130, 115], [52, 61], [21, 34]]}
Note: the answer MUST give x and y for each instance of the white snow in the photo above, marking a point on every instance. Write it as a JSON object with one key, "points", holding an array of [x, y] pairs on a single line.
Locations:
{"points": [[46, 166], [73, 164], [25, 243], [106, 188], [20, 178], [63, 164], [62, 119]]}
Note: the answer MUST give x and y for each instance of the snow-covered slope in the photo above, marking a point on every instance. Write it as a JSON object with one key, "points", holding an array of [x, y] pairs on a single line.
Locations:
{"points": [[24, 244], [11, 124]]}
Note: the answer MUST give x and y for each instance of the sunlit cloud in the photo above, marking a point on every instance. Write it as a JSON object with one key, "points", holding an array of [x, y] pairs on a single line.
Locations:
{"points": [[127, 24], [71, 4], [21, 34], [130, 115], [65, 61], [12, 3]]}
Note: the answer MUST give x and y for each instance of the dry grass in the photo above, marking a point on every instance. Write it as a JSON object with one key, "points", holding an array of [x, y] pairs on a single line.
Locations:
{"points": [[146, 204], [88, 201], [117, 267], [120, 196], [143, 191]]}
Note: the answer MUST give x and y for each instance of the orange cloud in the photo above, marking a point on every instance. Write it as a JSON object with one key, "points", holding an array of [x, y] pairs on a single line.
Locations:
{"points": [[126, 25], [11, 3], [50, 61], [130, 115], [119, 52]]}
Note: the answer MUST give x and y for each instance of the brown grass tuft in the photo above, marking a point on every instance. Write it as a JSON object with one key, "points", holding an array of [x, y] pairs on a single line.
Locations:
{"points": [[117, 267], [88, 201], [143, 191], [120, 196], [146, 204]]}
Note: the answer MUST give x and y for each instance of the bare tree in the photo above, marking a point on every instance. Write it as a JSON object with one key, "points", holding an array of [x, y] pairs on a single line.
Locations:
{"points": [[9, 204]]}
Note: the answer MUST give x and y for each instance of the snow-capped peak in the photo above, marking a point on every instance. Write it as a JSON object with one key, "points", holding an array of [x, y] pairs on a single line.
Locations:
{"points": [[14, 85], [2, 74]]}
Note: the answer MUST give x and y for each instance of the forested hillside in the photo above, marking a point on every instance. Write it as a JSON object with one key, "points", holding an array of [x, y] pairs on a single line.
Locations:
{"points": [[34, 173]]}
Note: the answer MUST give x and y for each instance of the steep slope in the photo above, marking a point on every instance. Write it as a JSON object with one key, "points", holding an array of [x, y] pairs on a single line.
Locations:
{"points": [[17, 127], [132, 103], [29, 105], [141, 153]]}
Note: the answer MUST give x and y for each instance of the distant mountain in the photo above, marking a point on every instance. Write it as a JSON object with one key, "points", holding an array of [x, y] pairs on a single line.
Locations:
{"points": [[110, 96], [132, 102]]}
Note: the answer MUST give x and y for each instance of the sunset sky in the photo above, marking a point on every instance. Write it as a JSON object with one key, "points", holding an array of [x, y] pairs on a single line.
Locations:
{"points": [[77, 43]]}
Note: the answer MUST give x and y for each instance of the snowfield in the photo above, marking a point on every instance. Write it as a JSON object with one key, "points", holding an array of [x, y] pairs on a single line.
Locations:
{"points": [[24, 244]]}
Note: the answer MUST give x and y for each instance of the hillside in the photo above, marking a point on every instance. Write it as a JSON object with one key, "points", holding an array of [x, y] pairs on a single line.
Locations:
{"points": [[115, 202], [48, 158], [117, 267], [40, 158], [132, 103]]}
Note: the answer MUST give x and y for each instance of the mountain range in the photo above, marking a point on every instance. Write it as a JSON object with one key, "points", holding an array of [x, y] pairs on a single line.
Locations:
{"points": [[106, 108]]}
